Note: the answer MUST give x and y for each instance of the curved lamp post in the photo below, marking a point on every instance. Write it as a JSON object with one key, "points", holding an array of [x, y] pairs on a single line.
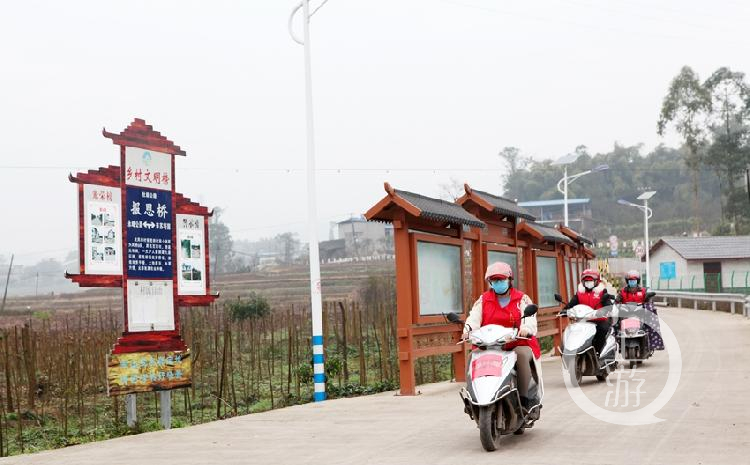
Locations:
{"points": [[647, 213], [562, 184]]}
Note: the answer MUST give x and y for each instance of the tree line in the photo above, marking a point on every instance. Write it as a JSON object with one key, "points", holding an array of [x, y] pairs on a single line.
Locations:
{"points": [[702, 185]]}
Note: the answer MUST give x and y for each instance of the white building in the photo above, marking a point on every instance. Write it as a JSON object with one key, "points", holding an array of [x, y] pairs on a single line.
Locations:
{"points": [[363, 237], [701, 263]]}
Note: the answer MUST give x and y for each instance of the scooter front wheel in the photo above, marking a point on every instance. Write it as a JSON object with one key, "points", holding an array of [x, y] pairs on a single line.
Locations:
{"points": [[488, 432], [576, 370]]}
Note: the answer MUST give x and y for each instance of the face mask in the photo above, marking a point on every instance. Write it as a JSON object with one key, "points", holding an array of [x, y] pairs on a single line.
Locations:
{"points": [[588, 284], [632, 282], [500, 286]]}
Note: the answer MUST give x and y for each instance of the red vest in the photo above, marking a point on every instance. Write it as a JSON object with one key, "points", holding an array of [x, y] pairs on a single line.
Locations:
{"points": [[637, 296], [592, 298], [508, 316]]}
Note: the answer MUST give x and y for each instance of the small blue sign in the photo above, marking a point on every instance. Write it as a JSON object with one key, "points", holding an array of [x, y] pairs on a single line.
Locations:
{"points": [[149, 233], [667, 270]]}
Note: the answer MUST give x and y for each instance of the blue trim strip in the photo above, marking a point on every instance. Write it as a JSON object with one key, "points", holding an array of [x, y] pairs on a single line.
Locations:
{"points": [[317, 340], [319, 396], [319, 378], [317, 358]]}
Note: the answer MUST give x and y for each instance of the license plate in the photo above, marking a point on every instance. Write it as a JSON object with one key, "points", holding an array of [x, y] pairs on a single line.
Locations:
{"points": [[487, 365]]}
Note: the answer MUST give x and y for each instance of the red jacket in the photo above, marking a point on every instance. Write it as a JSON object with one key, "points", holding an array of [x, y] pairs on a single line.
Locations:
{"points": [[592, 298], [638, 295], [508, 316]]}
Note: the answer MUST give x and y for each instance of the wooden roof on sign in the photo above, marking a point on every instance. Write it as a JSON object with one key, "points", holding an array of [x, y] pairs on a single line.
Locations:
{"points": [[142, 135], [187, 206], [544, 233], [494, 203], [109, 176], [420, 206], [575, 235]]}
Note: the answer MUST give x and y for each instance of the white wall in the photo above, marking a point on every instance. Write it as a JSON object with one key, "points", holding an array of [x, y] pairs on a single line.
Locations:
{"points": [[686, 270], [665, 253]]}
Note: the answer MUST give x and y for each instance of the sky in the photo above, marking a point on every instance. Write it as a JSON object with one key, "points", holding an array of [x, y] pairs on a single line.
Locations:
{"points": [[413, 92]]}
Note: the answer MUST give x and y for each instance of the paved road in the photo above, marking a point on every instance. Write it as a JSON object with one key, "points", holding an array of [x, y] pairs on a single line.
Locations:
{"points": [[707, 421]]}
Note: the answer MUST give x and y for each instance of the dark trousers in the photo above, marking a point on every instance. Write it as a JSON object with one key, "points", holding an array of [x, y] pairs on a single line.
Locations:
{"points": [[600, 338]]}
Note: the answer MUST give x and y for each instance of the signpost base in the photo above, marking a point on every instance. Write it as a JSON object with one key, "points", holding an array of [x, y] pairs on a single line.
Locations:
{"points": [[130, 410], [165, 404]]}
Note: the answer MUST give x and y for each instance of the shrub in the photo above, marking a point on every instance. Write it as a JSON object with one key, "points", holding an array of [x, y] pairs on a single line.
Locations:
{"points": [[252, 307]]}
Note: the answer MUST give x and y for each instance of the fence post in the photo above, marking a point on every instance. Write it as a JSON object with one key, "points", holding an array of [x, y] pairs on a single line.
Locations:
{"points": [[731, 284], [713, 305], [746, 309]]}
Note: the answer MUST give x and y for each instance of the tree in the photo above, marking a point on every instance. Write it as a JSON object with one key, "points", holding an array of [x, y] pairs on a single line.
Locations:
{"points": [[220, 243], [452, 190], [288, 245], [686, 107], [729, 151], [514, 161]]}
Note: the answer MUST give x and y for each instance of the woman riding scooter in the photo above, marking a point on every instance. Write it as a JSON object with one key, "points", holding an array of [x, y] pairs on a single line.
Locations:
{"points": [[634, 293], [503, 305], [592, 292]]}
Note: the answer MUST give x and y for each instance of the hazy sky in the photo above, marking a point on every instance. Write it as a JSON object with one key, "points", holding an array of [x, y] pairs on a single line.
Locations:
{"points": [[427, 89]]}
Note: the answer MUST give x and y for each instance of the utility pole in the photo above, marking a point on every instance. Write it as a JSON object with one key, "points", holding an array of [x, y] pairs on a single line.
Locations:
{"points": [[7, 281], [316, 298]]}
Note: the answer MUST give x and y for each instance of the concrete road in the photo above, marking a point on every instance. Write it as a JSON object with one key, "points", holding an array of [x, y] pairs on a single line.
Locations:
{"points": [[707, 421]]}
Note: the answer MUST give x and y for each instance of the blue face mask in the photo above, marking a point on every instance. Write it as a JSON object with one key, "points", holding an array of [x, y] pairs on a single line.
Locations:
{"points": [[500, 286], [632, 282]]}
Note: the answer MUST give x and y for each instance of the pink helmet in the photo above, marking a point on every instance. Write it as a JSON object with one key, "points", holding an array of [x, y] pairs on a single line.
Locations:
{"points": [[500, 270]]}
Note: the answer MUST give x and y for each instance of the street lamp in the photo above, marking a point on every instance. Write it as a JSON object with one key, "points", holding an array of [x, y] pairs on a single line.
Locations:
{"points": [[316, 301], [647, 213], [562, 185]]}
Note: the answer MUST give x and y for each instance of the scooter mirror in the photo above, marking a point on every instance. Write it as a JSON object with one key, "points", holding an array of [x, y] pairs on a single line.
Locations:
{"points": [[530, 309], [649, 295], [558, 298], [453, 318]]}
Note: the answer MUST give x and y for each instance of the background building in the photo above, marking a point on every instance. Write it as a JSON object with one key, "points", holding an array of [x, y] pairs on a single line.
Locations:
{"points": [[713, 263]]}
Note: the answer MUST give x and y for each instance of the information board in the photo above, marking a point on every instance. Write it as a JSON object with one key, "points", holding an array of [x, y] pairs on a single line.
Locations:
{"points": [[191, 255], [149, 233], [102, 230]]}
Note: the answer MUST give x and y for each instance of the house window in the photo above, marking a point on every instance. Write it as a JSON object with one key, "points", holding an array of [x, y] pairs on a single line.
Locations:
{"points": [[439, 277]]}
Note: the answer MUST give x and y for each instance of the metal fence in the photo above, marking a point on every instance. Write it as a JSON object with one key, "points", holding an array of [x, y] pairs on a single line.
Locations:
{"points": [[735, 303], [733, 282]]}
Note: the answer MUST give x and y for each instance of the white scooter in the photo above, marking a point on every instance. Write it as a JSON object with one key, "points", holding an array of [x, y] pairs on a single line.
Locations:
{"points": [[579, 357], [491, 396]]}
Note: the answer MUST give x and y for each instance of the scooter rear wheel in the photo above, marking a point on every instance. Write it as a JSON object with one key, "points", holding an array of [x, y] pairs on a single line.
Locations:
{"points": [[488, 432]]}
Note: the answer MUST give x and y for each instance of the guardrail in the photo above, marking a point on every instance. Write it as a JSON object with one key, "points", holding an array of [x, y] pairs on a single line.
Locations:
{"points": [[734, 300]]}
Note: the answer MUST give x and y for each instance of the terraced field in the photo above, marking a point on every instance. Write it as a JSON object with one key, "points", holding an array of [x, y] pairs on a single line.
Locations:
{"points": [[279, 285]]}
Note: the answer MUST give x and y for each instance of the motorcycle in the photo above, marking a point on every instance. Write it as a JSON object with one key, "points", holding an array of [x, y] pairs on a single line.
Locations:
{"points": [[634, 340], [491, 395], [579, 357]]}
